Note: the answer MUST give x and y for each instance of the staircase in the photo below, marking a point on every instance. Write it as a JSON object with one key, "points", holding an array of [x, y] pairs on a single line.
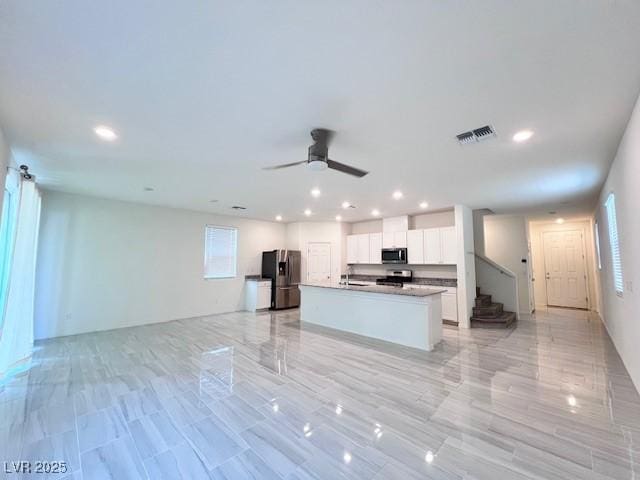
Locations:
{"points": [[487, 314]]}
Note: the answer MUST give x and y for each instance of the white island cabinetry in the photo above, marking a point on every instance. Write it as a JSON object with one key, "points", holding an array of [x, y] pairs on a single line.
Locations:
{"points": [[410, 317]]}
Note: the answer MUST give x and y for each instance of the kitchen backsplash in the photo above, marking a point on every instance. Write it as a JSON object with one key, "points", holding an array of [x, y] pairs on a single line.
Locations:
{"points": [[441, 282], [419, 271]]}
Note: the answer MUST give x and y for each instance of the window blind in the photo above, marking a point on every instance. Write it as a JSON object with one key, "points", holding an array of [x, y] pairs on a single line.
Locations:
{"points": [[220, 252], [610, 205]]}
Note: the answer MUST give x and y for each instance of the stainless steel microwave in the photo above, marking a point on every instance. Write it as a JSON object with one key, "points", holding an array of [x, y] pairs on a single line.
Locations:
{"points": [[394, 255]]}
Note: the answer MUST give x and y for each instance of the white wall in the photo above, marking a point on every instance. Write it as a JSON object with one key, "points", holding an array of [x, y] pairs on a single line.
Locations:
{"points": [[4, 163], [371, 226], [300, 234], [536, 231], [506, 243], [106, 264], [620, 314], [444, 218]]}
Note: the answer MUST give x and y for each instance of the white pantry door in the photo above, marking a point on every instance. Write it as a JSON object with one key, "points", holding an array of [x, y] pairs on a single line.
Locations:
{"points": [[319, 263], [564, 269]]}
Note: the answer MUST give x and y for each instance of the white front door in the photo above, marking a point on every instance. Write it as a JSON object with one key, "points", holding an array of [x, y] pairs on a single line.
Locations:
{"points": [[319, 264], [565, 269]]}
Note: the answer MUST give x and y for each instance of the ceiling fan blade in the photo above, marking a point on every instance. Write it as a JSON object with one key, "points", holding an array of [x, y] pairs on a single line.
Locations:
{"points": [[341, 167], [284, 165]]}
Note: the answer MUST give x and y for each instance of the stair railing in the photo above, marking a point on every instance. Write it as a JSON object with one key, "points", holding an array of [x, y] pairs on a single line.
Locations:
{"points": [[499, 282]]}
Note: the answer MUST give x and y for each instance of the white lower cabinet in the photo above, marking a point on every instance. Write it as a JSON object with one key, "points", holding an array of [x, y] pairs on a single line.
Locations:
{"points": [[449, 300], [450, 305], [257, 295]]}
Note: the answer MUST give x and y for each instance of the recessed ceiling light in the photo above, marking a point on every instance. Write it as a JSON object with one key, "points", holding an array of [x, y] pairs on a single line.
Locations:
{"points": [[105, 133], [424, 205], [278, 218], [315, 192], [560, 220], [375, 212], [338, 218], [307, 212], [429, 457], [397, 195], [346, 205], [523, 136]]}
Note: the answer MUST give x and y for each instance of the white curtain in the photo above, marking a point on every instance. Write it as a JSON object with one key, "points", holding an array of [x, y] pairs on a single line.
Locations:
{"points": [[16, 336]]}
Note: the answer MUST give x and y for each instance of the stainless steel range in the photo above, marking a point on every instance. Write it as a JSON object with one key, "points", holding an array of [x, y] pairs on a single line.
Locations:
{"points": [[396, 278]]}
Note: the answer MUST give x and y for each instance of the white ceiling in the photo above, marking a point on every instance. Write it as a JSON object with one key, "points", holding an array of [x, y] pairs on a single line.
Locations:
{"points": [[203, 94]]}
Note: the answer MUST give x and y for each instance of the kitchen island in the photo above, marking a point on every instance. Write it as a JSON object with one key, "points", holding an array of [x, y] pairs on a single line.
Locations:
{"points": [[410, 317]]}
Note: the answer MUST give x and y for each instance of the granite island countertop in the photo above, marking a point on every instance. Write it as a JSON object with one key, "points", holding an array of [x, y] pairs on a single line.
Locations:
{"points": [[409, 292], [431, 281]]}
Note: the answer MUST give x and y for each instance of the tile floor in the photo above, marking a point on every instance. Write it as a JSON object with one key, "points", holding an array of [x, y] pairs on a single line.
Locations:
{"points": [[258, 396]]}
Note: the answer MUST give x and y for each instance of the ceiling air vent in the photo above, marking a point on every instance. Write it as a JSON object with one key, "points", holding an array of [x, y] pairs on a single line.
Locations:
{"points": [[477, 135], [466, 137], [238, 207]]}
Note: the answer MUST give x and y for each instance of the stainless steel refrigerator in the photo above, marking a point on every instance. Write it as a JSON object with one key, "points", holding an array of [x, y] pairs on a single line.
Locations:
{"points": [[283, 268]]}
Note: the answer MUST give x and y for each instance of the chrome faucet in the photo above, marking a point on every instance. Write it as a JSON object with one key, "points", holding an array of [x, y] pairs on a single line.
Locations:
{"points": [[347, 275]]}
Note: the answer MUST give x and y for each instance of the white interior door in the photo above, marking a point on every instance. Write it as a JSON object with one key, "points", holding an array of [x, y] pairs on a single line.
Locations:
{"points": [[319, 264], [564, 269]]}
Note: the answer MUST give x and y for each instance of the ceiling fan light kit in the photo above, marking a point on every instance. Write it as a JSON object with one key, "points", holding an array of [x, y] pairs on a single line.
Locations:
{"points": [[318, 157]]}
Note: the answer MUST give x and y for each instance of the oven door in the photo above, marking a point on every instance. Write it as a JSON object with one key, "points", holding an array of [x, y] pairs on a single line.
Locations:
{"points": [[394, 255]]}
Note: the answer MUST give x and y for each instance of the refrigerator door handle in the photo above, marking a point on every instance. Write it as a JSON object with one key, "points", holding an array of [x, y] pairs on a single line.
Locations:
{"points": [[288, 263]]}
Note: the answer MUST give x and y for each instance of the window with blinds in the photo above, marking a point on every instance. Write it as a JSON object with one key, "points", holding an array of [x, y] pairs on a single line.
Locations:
{"points": [[220, 252], [616, 263]]}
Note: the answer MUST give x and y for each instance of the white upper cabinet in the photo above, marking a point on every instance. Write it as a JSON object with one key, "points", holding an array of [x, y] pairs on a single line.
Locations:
{"points": [[387, 240], [424, 247], [394, 240], [440, 246], [448, 245], [363, 248], [352, 249], [400, 239], [375, 248], [415, 247], [432, 250]]}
